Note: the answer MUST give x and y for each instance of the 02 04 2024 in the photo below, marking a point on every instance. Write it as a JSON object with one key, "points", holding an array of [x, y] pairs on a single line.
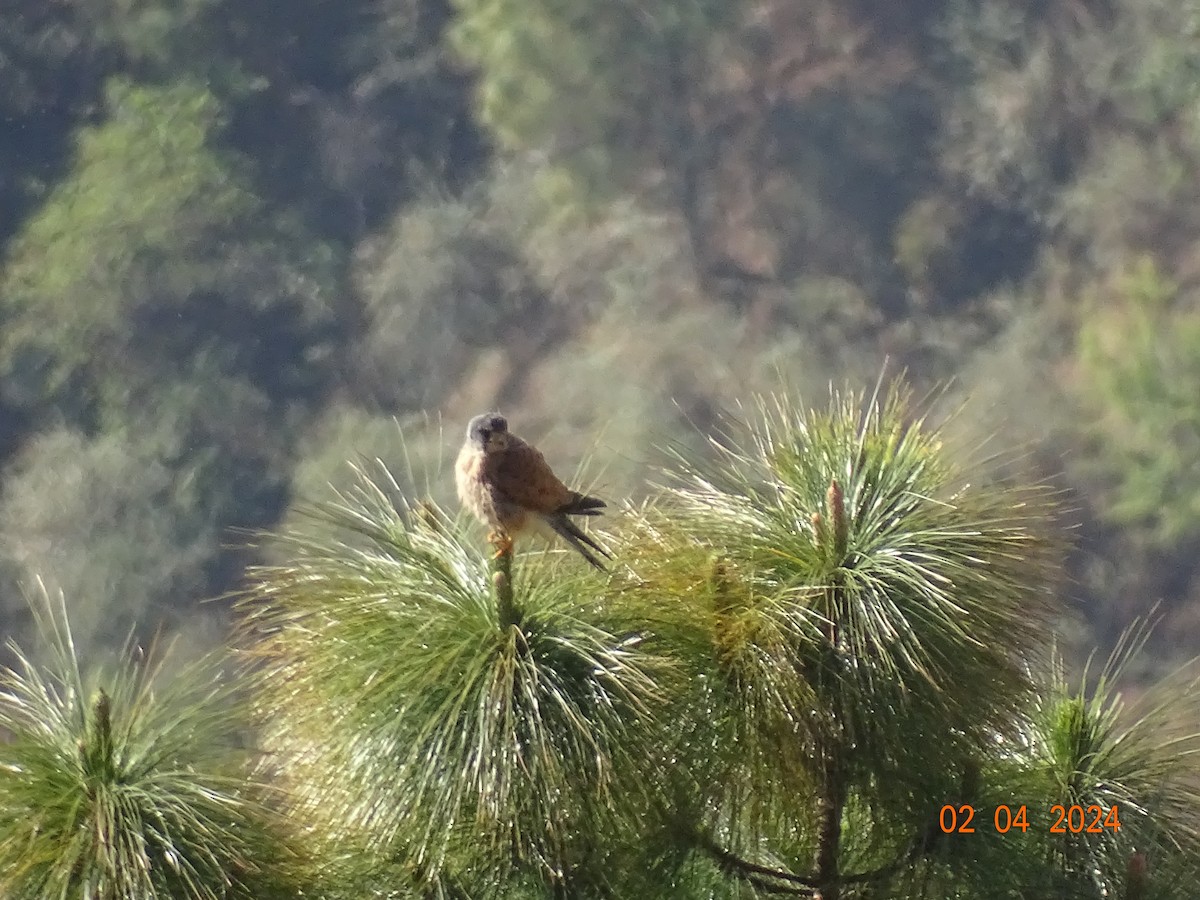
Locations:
{"points": [[1061, 819]]}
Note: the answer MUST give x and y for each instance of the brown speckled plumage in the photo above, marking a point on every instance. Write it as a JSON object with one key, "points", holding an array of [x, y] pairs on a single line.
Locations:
{"points": [[508, 485]]}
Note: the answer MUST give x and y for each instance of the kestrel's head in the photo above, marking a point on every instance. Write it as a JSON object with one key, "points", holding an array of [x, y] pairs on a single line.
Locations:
{"points": [[488, 432]]}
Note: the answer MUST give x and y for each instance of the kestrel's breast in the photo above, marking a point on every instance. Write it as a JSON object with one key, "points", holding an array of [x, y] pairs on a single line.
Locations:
{"points": [[472, 490], [479, 493]]}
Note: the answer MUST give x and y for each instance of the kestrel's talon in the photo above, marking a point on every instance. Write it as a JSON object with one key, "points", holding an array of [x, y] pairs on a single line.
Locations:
{"points": [[509, 487], [502, 542]]}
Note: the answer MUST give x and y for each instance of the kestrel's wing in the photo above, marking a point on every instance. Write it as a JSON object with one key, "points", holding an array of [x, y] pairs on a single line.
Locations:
{"points": [[522, 476]]}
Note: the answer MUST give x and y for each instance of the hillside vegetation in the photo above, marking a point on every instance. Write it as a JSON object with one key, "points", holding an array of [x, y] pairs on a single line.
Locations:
{"points": [[241, 238]]}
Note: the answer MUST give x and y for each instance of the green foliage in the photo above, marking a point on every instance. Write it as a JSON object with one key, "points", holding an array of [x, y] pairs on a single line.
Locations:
{"points": [[1158, 81], [609, 341], [1127, 202], [837, 564], [1005, 122], [1136, 184], [903, 546], [632, 388], [923, 236], [1139, 356], [828, 625], [416, 448], [129, 784], [143, 178], [595, 82], [423, 726], [148, 32], [152, 220], [534, 57], [109, 522], [1087, 746], [685, 199], [49, 80], [446, 283], [156, 306]]}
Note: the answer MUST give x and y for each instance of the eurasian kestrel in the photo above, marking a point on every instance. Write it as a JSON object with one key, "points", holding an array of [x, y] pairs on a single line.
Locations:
{"points": [[509, 486]]}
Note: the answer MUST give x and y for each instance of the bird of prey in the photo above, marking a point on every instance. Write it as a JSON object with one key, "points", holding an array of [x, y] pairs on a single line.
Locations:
{"points": [[509, 487]]}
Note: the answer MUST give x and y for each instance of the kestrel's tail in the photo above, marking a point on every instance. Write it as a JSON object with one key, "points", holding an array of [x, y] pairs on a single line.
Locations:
{"points": [[569, 532], [582, 505]]}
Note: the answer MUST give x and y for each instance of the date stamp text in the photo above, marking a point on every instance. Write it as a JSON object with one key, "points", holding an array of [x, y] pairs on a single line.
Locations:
{"points": [[966, 819]]}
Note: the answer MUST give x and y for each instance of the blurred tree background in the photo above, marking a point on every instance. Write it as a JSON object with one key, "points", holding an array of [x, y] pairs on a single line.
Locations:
{"points": [[241, 237]]}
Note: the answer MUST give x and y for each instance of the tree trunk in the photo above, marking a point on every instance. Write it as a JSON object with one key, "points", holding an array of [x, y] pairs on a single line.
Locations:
{"points": [[829, 827]]}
